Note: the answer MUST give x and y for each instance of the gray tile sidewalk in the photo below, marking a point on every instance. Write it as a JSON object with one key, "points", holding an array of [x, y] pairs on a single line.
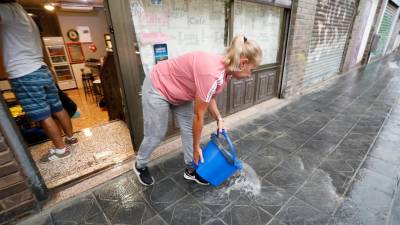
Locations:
{"points": [[330, 157]]}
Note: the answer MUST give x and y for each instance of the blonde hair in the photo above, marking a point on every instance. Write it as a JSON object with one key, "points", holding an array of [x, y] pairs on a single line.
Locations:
{"points": [[241, 47]]}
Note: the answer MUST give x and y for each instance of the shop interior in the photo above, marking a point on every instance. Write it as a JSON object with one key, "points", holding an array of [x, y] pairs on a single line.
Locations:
{"points": [[78, 51]]}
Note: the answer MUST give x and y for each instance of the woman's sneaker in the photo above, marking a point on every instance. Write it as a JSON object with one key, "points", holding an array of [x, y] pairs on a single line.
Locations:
{"points": [[192, 175], [143, 175]]}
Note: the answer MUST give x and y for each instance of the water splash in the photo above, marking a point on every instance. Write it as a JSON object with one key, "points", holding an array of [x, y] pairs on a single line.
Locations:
{"points": [[246, 182], [393, 65]]}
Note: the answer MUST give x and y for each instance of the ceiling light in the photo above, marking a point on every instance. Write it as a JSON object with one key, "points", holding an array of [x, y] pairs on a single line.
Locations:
{"points": [[49, 6]]}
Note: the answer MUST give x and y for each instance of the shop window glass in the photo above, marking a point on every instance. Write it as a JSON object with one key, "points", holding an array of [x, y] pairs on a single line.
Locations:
{"points": [[183, 25], [262, 23]]}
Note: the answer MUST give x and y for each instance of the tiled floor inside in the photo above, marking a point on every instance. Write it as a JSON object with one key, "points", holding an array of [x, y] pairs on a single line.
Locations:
{"points": [[90, 114], [329, 157], [98, 148]]}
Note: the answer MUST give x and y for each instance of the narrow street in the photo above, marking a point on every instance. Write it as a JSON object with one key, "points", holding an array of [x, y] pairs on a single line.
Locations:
{"points": [[329, 157]]}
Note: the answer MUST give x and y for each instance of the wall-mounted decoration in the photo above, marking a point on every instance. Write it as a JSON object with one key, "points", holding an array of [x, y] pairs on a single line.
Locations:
{"points": [[75, 52], [73, 35], [107, 39], [84, 34], [93, 48], [160, 52]]}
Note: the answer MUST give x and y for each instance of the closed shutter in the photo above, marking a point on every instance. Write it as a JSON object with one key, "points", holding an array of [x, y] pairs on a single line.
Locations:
{"points": [[385, 28], [331, 27]]}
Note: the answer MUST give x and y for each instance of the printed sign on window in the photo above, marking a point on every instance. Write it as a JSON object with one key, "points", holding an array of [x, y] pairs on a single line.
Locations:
{"points": [[160, 52]]}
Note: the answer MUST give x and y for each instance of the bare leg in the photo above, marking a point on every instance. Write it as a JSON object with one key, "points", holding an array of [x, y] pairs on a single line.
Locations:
{"points": [[53, 132], [65, 122]]}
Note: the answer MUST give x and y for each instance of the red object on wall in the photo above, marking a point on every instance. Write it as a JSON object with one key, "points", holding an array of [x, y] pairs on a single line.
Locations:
{"points": [[93, 47]]}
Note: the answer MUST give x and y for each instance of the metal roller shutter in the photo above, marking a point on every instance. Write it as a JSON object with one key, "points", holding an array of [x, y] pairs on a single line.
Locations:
{"points": [[385, 28], [331, 27]]}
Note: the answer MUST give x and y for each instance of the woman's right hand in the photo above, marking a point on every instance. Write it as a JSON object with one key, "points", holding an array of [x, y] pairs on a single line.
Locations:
{"points": [[198, 154]]}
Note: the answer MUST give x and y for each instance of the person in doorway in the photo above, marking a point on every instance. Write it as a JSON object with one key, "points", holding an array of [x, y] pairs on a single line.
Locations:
{"points": [[187, 85], [31, 79]]}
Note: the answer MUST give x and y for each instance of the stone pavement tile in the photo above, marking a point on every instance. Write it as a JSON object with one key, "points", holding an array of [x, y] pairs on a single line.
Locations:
{"points": [[391, 132], [276, 222], [214, 198], [290, 180], [368, 126], [322, 143], [310, 126], [394, 217], [290, 141], [302, 161], [341, 153], [266, 135], [379, 182], [265, 119], [357, 141], [156, 220], [187, 211], [290, 120], [265, 160], [369, 197], [253, 125], [173, 163], [163, 194], [38, 220], [351, 213], [295, 104], [297, 212], [238, 214], [82, 210], [382, 167], [250, 145], [328, 109], [123, 203], [269, 197], [341, 102], [339, 181], [328, 136], [341, 165], [274, 128], [386, 150], [215, 221], [236, 134], [270, 151], [320, 192]]}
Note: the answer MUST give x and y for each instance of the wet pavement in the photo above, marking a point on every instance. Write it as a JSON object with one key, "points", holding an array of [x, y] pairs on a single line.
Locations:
{"points": [[330, 157]]}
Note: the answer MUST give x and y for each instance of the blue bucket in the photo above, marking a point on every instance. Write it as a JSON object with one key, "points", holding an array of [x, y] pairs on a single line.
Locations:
{"points": [[219, 164]]}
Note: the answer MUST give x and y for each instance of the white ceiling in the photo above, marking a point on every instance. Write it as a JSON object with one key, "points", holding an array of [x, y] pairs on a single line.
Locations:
{"points": [[35, 3]]}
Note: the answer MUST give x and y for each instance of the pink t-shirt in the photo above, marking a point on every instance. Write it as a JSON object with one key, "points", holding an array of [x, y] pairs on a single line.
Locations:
{"points": [[180, 79]]}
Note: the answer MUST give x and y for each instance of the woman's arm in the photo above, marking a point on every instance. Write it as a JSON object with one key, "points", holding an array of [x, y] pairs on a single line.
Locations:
{"points": [[213, 109], [200, 108]]}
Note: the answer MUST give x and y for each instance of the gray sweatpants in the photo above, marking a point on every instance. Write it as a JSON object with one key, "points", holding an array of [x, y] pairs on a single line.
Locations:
{"points": [[155, 115]]}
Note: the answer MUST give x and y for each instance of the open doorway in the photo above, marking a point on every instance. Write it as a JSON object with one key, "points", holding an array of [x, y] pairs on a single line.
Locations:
{"points": [[78, 50]]}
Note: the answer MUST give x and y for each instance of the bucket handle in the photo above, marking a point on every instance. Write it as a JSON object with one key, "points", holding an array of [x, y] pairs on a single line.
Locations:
{"points": [[225, 134]]}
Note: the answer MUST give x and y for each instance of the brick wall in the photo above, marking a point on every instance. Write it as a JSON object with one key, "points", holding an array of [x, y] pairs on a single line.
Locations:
{"points": [[300, 31], [16, 198]]}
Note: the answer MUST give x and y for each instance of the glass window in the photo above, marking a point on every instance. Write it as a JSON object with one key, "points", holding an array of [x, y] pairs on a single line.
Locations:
{"points": [[261, 23], [184, 25]]}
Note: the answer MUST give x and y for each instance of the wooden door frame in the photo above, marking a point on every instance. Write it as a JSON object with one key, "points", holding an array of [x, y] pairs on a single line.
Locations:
{"points": [[282, 52], [281, 55], [128, 64]]}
